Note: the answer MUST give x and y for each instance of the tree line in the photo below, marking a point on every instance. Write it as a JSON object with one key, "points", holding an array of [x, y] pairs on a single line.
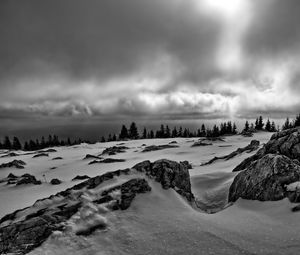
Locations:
{"points": [[226, 128], [36, 144], [259, 125]]}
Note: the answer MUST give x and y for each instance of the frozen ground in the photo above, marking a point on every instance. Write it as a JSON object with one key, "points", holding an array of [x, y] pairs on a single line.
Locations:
{"points": [[161, 222]]}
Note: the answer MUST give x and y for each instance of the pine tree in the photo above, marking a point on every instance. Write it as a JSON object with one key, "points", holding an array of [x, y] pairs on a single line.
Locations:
{"points": [[180, 132], [133, 131], [124, 133], [168, 132], [102, 139], [268, 125], [260, 123], [246, 128], [273, 127], [145, 133], [7, 144], [26, 146], [297, 121], [256, 124], [234, 129], [16, 144], [203, 130], [174, 132], [151, 134], [286, 124], [114, 138]]}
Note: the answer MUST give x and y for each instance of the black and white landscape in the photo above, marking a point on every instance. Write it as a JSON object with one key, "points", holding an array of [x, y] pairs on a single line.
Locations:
{"points": [[149, 127]]}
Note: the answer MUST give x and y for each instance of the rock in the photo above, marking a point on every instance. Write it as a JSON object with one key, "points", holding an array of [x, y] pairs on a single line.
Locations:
{"points": [[170, 174], [15, 163], [159, 147], [200, 143], [48, 150], [187, 164], [57, 158], [12, 176], [114, 150], [28, 179], [247, 133], [296, 208], [107, 160], [173, 142], [11, 154], [80, 177], [265, 179], [286, 143], [23, 230], [55, 181], [41, 155], [254, 144], [89, 156]]}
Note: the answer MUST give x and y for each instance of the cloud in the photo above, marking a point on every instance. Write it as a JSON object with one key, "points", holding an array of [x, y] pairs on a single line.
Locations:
{"points": [[149, 58]]}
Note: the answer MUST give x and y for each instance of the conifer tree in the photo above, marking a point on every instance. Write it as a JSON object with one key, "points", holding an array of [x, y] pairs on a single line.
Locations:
{"points": [[16, 144]]}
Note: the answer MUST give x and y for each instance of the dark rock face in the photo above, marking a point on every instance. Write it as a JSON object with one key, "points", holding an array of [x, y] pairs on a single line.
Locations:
{"points": [[57, 158], [48, 150], [159, 147], [11, 154], [107, 161], [254, 144], [200, 143], [28, 179], [15, 163], [89, 156], [41, 155], [114, 150], [286, 143], [55, 181], [265, 179], [170, 174], [23, 230], [80, 177]]}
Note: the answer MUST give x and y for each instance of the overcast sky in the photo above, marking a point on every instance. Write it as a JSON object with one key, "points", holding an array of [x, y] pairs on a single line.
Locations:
{"points": [[160, 59]]}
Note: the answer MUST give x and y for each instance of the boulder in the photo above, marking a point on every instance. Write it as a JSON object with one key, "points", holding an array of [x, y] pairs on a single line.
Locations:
{"points": [[57, 158], [107, 161], [55, 181], [41, 155], [170, 174], [80, 177], [28, 179], [159, 147], [266, 179], [15, 163], [114, 150]]}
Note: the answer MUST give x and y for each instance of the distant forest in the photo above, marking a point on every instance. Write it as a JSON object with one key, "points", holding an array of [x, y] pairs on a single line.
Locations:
{"points": [[225, 128]]}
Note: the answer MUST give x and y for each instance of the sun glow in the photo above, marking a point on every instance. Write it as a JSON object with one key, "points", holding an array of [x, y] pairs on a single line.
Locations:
{"points": [[228, 8]]}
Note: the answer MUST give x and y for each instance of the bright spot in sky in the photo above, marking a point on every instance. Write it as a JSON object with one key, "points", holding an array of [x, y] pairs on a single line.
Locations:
{"points": [[228, 8]]}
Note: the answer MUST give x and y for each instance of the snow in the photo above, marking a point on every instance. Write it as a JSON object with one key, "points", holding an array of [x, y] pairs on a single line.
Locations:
{"points": [[293, 186], [161, 221]]}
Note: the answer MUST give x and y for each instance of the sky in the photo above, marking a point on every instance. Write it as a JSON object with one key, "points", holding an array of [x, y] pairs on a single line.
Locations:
{"points": [[81, 63]]}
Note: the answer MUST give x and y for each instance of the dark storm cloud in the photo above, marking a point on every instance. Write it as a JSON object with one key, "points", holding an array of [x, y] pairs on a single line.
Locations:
{"points": [[148, 57], [102, 39]]}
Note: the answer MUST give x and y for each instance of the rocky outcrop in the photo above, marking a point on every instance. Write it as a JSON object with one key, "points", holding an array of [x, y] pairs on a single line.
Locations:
{"points": [[265, 179], [107, 161], [57, 158], [25, 229], [89, 156], [201, 143], [55, 181], [254, 144], [15, 163], [28, 179], [170, 174], [267, 174], [80, 177], [286, 143], [41, 155], [158, 147], [114, 150]]}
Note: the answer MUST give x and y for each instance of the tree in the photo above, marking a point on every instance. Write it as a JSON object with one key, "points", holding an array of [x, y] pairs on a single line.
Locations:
{"points": [[174, 132], [180, 132], [151, 134], [286, 124], [102, 139], [145, 133], [168, 132], [114, 138], [260, 123], [124, 133], [246, 128], [16, 144], [133, 131], [234, 129], [273, 127], [203, 130], [268, 125], [297, 121], [7, 144], [43, 143]]}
